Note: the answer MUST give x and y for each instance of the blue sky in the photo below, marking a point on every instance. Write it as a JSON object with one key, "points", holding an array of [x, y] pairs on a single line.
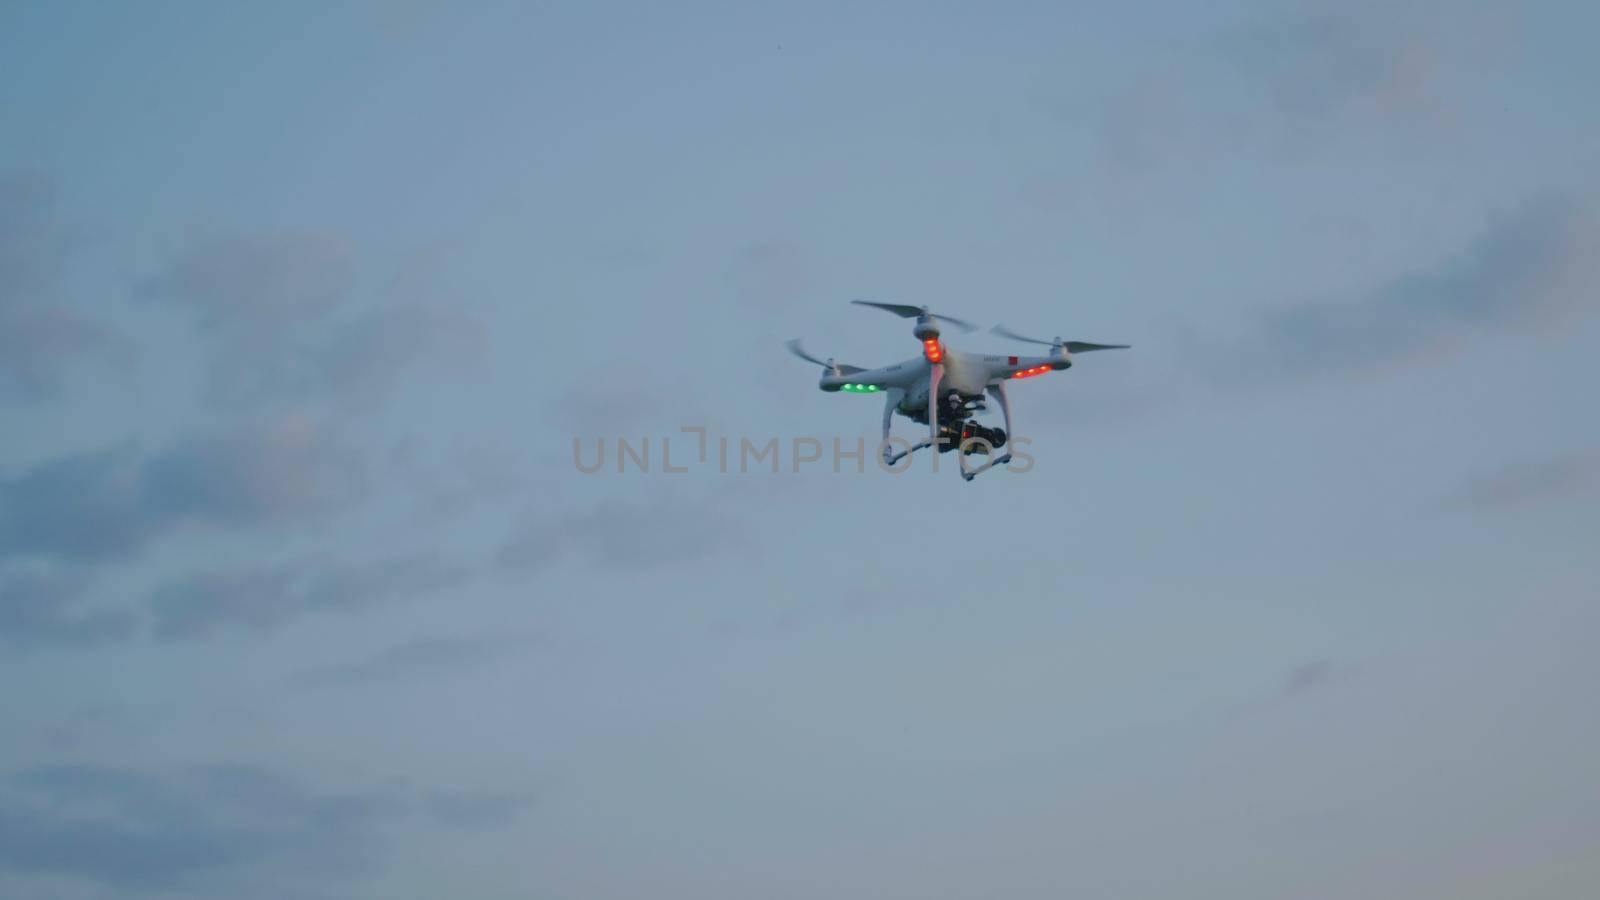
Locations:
{"points": [[302, 306]]}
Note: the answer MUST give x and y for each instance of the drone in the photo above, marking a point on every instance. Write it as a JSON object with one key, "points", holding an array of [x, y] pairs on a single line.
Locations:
{"points": [[944, 389]]}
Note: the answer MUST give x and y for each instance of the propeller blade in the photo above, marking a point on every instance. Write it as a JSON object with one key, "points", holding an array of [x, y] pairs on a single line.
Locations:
{"points": [[1071, 346], [907, 311], [904, 311], [962, 324], [795, 348], [1008, 333]]}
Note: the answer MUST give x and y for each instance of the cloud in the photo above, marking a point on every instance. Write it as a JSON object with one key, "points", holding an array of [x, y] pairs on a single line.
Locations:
{"points": [[620, 535], [285, 470], [1527, 483], [620, 406], [109, 503], [197, 829], [266, 597], [476, 810], [366, 358], [1328, 63], [89, 725], [254, 286], [212, 830], [1305, 82], [32, 245], [1531, 267], [41, 340], [1308, 676], [358, 362], [78, 507], [39, 347], [772, 274], [1147, 125], [38, 609], [427, 657], [286, 322], [467, 472]]}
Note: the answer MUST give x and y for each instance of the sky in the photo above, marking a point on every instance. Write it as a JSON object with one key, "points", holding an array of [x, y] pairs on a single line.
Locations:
{"points": [[304, 307]]}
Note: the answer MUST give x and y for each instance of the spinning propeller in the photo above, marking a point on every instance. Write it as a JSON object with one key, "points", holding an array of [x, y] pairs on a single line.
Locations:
{"points": [[1058, 344], [829, 364], [906, 311]]}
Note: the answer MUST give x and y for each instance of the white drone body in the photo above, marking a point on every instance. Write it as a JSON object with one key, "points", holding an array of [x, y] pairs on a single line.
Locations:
{"points": [[944, 387]]}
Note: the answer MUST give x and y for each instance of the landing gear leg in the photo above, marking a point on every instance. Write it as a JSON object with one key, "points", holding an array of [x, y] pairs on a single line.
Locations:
{"points": [[935, 373], [891, 399], [998, 392]]}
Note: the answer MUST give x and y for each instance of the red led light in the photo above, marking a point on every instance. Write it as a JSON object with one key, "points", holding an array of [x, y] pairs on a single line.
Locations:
{"points": [[1029, 373], [932, 350]]}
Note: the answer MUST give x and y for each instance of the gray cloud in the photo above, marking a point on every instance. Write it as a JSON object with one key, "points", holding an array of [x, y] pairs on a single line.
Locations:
{"points": [[428, 657], [1527, 482], [266, 597], [39, 347], [633, 401], [285, 322], [617, 534], [39, 609], [772, 273], [1303, 83], [212, 830], [1325, 63], [85, 726], [1532, 266], [197, 829], [366, 358], [358, 361], [285, 470], [1148, 125], [619, 406], [253, 286], [453, 480], [77, 507], [32, 244], [476, 810], [41, 340], [1308, 676], [109, 503]]}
